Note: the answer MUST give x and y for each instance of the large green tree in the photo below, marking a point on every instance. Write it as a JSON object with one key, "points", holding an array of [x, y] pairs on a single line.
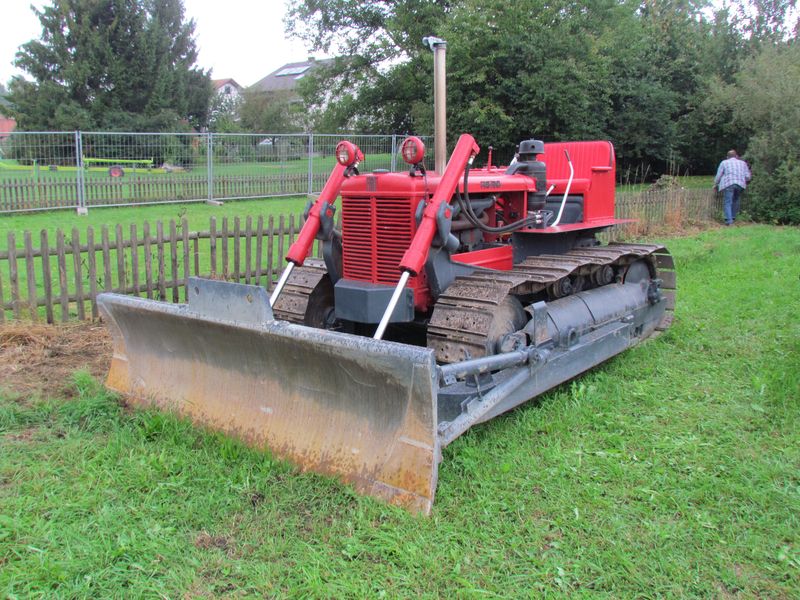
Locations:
{"points": [[531, 68], [272, 112], [382, 75], [638, 72], [111, 64], [630, 71], [763, 102]]}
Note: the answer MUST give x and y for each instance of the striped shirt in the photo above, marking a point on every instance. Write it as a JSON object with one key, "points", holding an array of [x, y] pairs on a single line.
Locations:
{"points": [[732, 171]]}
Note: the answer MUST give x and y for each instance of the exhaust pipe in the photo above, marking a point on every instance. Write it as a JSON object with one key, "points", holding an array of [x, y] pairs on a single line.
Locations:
{"points": [[439, 48]]}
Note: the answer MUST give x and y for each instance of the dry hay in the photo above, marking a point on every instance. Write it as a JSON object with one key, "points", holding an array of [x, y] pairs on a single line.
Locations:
{"points": [[39, 360]]}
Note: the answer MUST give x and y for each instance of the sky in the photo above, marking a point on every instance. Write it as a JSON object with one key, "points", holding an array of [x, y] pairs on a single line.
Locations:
{"points": [[241, 39]]}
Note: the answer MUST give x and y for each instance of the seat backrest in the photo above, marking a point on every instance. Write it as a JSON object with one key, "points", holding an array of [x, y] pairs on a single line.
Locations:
{"points": [[584, 155], [595, 174]]}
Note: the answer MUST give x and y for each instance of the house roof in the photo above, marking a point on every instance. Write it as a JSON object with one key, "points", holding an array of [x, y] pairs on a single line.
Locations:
{"points": [[218, 83], [7, 125], [287, 76]]}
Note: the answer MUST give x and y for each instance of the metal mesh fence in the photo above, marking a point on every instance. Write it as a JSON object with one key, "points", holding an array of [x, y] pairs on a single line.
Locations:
{"points": [[46, 170], [39, 170]]}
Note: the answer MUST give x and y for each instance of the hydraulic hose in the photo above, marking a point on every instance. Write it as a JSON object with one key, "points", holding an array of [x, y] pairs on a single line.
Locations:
{"points": [[466, 207]]}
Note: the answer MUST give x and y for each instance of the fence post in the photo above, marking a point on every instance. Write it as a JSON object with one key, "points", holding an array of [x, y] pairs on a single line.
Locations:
{"points": [[310, 164], [79, 179], [394, 152], [210, 166]]}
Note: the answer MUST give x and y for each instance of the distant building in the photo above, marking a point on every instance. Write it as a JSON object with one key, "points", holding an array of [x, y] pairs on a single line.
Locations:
{"points": [[286, 78], [227, 87], [7, 124]]}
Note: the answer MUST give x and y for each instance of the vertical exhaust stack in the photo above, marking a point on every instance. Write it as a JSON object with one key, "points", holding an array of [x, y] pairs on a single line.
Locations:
{"points": [[439, 48]]}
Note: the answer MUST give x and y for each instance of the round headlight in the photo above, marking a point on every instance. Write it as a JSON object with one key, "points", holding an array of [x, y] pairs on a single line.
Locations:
{"points": [[346, 153], [412, 150]]}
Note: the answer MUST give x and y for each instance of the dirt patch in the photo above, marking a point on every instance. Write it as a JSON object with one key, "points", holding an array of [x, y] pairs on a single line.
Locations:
{"points": [[26, 435], [39, 360], [205, 541], [256, 498]]}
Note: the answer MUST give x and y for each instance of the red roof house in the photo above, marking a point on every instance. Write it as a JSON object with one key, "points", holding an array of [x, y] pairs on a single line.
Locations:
{"points": [[7, 125]]}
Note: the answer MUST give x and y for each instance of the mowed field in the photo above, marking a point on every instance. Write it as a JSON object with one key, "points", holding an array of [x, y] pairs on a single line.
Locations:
{"points": [[11, 169], [25, 188], [198, 215], [672, 470]]}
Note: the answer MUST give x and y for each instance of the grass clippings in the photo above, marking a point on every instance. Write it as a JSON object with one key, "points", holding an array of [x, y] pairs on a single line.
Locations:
{"points": [[38, 360]]}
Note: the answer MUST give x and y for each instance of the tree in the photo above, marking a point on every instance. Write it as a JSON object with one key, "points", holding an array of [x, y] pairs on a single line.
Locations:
{"points": [[382, 61], [767, 21], [223, 114], [530, 69], [272, 112], [111, 64], [763, 102], [638, 72]]}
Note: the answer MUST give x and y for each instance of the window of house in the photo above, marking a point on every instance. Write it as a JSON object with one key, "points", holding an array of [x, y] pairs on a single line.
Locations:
{"points": [[292, 71]]}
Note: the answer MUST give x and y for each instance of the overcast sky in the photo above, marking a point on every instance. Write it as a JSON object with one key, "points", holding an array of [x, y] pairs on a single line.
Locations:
{"points": [[242, 39]]}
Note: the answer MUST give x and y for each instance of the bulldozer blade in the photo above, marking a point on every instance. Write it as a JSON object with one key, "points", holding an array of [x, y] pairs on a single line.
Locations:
{"points": [[360, 409]]}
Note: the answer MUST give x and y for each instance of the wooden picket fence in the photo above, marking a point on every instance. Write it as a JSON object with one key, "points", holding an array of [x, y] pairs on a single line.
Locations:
{"points": [[25, 194], [664, 211], [59, 277]]}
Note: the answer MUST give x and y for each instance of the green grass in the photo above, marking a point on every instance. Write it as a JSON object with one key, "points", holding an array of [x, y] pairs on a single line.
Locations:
{"points": [[672, 470], [198, 215], [321, 165], [689, 182]]}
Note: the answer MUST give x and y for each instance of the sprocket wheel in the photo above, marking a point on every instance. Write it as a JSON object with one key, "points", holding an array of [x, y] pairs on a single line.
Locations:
{"points": [[509, 316], [320, 311]]}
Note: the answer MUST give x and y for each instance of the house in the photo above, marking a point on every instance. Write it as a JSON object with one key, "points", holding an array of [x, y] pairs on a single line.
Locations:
{"points": [[284, 80], [227, 87], [7, 124], [276, 99]]}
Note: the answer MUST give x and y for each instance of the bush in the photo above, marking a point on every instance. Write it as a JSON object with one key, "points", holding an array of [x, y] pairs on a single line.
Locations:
{"points": [[775, 197], [763, 102]]}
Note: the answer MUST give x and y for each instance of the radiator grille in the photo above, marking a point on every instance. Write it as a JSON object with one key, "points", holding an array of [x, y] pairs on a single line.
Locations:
{"points": [[375, 234]]}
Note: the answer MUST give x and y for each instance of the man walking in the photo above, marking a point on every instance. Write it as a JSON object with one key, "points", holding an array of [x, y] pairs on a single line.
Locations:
{"points": [[732, 177]]}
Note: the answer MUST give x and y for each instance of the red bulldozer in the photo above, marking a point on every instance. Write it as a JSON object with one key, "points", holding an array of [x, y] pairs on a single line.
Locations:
{"points": [[444, 298]]}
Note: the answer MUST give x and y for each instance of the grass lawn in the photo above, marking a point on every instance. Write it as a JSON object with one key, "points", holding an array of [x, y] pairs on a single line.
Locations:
{"points": [[198, 216], [23, 187], [197, 213], [670, 471], [10, 169], [689, 182]]}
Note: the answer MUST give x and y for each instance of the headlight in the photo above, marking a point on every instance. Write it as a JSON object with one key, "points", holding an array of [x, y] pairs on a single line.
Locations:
{"points": [[412, 150], [347, 153]]}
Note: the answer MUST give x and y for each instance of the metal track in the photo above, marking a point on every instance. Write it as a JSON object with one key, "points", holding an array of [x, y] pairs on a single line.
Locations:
{"points": [[463, 316], [293, 301]]}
